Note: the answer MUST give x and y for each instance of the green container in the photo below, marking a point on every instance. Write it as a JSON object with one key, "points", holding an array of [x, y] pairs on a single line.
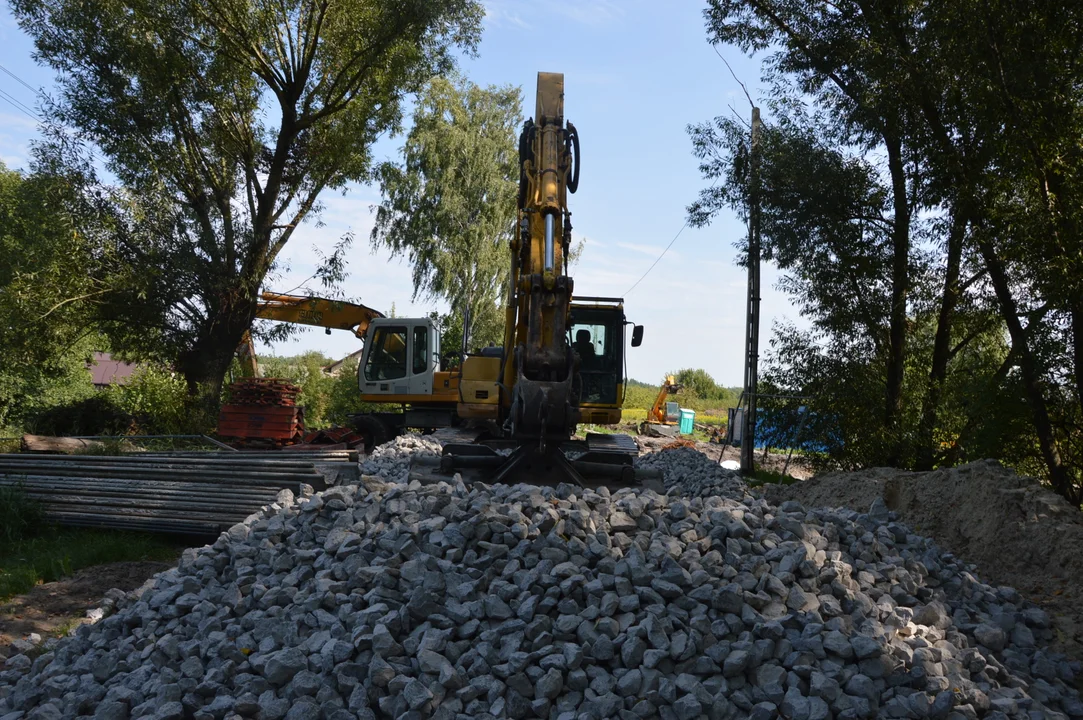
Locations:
{"points": [[687, 418]]}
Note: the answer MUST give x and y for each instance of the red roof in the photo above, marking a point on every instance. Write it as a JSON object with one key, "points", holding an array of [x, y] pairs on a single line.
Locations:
{"points": [[104, 370]]}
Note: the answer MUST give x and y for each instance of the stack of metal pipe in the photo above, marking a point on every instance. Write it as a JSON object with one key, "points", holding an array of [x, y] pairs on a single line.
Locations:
{"points": [[158, 493]]}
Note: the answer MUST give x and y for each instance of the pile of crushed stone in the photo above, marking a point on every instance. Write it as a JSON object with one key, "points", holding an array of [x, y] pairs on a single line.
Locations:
{"points": [[396, 600], [1013, 529], [391, 460], [690, 473]]}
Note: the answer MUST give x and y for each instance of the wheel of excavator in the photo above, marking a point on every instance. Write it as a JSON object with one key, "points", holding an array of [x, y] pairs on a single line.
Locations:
{"points": [[373, 430]]}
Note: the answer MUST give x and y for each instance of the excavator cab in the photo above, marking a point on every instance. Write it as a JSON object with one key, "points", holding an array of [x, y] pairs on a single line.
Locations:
{"points": [[596, 332], [400, 359]]}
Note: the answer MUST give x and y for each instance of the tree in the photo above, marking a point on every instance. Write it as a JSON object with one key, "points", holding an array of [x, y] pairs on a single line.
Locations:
{"points": [[977, 109], [450, 204], [49, 280], [222, 122]]}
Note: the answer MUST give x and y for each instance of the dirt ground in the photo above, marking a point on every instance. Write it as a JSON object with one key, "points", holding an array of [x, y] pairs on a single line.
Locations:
{"points": [[1015, 531], [53, 608], [775, 462]]}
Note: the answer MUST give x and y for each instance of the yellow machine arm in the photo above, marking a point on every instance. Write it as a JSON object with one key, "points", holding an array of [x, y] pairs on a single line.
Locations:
{"points": [[329, 314], [538, 365], [302, 310]]}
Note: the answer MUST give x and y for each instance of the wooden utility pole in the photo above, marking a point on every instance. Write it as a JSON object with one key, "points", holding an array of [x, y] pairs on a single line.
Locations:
{"points": [[752, 330]]}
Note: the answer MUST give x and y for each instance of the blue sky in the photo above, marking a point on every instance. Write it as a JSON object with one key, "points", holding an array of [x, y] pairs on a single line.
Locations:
{"points": [[636, 74]]}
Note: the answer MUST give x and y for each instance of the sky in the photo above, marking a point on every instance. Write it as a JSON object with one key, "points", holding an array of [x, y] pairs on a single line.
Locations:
{"points": [[636, 74]]}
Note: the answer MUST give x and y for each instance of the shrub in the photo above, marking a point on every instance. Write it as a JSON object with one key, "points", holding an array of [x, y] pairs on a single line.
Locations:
{"points": [[20, 516], [157, 401], [99, 414]]}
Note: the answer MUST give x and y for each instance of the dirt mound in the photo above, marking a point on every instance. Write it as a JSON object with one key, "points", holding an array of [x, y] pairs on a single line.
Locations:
{"points": [[1015, 531]]}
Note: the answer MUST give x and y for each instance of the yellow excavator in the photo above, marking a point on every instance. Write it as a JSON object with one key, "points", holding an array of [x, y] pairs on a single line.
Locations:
{"points": [[665, 414], [562, 360]]}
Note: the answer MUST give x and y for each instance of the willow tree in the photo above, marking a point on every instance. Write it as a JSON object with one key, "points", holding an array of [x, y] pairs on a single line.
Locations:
{"points": [[221, 122], [450, 205]]}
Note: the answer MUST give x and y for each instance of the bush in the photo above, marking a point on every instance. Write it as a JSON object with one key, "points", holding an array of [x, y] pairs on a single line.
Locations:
{"points": [[99, 414], [157, 401], [20, 516]]}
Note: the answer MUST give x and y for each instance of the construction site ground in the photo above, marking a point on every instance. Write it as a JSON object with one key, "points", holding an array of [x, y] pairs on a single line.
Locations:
{"points": [[53, 608], [1014, 531]]}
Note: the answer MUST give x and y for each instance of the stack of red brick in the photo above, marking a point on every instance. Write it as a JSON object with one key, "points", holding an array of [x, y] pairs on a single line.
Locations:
{"points": [[262, 409]]}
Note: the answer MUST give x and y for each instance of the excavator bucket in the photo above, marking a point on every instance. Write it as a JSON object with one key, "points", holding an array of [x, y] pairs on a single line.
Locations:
{"points": [[599, 460]]}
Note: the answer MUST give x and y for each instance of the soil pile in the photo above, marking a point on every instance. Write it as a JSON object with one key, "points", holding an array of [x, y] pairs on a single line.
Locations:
{"points": [[1014, 530]]}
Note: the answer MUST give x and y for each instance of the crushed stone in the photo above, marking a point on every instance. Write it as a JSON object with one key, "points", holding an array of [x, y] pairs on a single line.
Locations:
{"points": [[1015, 531]]}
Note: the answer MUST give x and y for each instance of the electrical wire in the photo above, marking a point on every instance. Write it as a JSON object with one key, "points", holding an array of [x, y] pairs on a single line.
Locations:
{"points": [[21, 81], [658, 259], [19, 106]]}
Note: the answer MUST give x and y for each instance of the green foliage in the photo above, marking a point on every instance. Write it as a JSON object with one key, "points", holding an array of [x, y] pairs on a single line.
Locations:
{"points": [[20, 516], [50, 553], [450, 205], [699, 384], [158, 402], [98, 414], [221, 136], [48, 288], [915, 271]]}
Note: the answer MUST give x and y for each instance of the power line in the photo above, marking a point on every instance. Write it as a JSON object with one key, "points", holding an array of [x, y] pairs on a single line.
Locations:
{"points": [[658, 259], [19, 102], [20, 80], [18, 106]]}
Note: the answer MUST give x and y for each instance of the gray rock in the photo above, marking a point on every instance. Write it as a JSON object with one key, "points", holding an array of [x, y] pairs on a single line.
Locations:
{"points": [[550, 685], [687, 708], [283, 665]]}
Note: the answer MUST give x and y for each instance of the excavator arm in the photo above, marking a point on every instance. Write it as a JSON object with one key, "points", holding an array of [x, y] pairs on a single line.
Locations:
{"points": [[304, 310], [539, 365], [322, 312]]}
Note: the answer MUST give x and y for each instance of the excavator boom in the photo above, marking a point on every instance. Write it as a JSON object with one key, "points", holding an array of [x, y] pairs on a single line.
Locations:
{"points": [[322, 312]]}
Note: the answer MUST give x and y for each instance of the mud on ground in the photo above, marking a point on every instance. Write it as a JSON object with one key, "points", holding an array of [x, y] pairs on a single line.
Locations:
{"points": [[54, 608], [1015, 531]]}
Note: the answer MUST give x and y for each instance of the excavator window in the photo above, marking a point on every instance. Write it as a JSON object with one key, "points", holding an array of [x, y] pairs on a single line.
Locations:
{"points": [[421, 349], [596, 338], [387, 360]]}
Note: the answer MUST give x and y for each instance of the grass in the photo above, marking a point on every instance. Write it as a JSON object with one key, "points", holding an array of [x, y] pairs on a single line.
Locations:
{"points": [[762, 477], [32, 551]]}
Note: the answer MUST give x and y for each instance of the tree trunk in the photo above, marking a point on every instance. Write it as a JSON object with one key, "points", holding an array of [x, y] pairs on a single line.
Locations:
{"points": [[1032, 382], [207, 361], [900, 289], [941, 344], [1077, 348]]}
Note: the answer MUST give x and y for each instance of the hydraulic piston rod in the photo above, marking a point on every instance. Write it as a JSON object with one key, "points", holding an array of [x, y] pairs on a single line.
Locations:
{"points": [[550, 260]]}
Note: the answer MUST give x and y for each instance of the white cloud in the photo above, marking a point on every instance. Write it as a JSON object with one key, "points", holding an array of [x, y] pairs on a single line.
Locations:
{"points": [[583, 12]]}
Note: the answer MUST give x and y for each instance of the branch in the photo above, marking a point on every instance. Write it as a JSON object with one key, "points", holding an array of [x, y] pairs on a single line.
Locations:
{"points": [[71, 300], [752, 104]]}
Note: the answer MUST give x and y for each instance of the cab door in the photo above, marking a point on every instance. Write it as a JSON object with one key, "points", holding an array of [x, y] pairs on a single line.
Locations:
{"points": [[421, 359]]}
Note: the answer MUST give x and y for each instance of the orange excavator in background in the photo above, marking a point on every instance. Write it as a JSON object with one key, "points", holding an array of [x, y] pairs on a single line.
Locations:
{"points": [[665, 414]]}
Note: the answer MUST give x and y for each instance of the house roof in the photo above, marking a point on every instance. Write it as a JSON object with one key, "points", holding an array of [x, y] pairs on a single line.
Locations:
{"points": [[104, 370], [337, 365]]}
